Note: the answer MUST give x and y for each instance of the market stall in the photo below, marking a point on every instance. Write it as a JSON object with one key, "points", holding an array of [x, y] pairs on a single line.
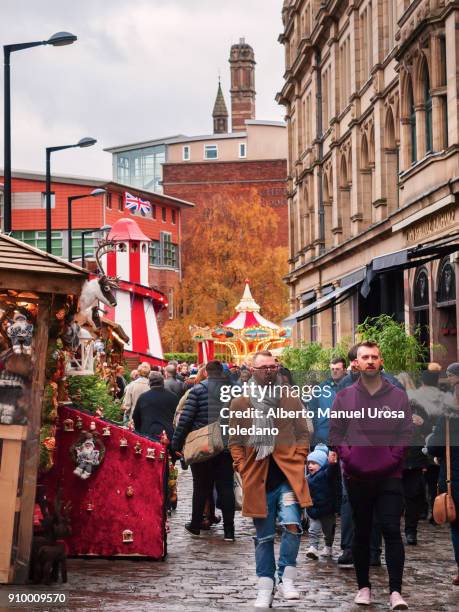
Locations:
{"points": [[31, 284]]}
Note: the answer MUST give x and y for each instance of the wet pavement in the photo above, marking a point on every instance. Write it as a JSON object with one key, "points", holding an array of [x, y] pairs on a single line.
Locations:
{"points": [[209, 573]]}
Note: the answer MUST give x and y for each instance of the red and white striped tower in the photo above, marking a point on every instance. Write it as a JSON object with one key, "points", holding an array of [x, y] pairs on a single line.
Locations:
{"points": [[137, 303]]}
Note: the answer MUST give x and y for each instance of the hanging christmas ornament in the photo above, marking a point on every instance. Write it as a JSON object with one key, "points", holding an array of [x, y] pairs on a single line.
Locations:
{"points": [[89, 507], [100, 412], [123, 443], [161, 455], [130, 491], [128, 536], [106, 431], [138, 448], [68, 425], [79, 423], [151, 453], [92, 425], [88, 452]]}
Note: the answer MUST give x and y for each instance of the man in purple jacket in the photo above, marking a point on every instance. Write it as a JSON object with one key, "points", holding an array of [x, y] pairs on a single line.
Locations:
{"points": [[371, 428]]}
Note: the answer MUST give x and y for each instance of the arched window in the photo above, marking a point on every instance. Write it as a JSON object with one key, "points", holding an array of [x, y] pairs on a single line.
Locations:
{"points": [[412, 118], [427, 108], [446, 282], [421, 289]]}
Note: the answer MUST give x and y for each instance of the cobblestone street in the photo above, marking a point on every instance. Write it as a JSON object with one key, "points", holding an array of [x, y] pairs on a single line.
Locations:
{"points": [[209, 573]]}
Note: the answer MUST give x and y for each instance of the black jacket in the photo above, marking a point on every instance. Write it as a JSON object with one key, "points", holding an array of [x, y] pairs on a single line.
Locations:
{"points": [[154, 413], [202, 407], [325, 490], [436, 446]]}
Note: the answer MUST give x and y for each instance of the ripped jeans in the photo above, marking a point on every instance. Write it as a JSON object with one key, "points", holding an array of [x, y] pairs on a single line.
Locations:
{"points": [[282, 505]]}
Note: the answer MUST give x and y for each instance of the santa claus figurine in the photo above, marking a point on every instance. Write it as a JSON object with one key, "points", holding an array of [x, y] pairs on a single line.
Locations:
{"points": [[87, 457], [20, 333]]}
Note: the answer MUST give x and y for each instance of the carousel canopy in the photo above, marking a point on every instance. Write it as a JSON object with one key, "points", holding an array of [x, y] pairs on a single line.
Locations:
{"points": [[248, 313]]}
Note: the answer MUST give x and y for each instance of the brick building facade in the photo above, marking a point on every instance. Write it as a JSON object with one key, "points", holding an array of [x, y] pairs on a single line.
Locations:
{"points": [[162, 226], [371, 98]]}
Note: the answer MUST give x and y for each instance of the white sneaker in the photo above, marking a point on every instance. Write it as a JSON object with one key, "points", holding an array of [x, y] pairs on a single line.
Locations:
{"points": [[312, 553], [265, 594], [363, 597], [326, 551], [286, 588]]}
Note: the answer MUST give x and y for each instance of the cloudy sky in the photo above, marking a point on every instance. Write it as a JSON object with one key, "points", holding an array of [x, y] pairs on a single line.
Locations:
{"points": [[140, 69]]}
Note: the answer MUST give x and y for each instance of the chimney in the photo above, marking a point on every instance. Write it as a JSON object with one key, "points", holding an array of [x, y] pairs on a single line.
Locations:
{"points": [[242, 63]]}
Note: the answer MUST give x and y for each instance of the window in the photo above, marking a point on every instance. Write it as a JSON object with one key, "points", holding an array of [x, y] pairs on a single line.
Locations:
{"points": [[37, 239], [412, 117], [53, 200], [155, 253], [90, 243], [366, 37], [242, 149], [173, 217], [210, 152], [186, 153], [141, 168], [108, 201], [313, 321], [120, 203], [164, 214], [169, 250], [428, 110]]}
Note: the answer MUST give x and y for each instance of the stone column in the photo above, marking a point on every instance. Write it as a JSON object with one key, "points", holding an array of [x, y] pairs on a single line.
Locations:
{"points": [[452, 66], [420, 131]]}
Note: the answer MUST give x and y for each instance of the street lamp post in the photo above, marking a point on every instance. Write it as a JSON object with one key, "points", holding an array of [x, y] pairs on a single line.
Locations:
{"points": [[84, 142], [104, 228], [70, 199], [57, 40]]}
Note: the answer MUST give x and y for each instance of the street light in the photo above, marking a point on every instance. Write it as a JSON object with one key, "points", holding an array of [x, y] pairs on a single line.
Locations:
{"points": [[84, 142], [56, 40], [104, 228], [70, 199]]}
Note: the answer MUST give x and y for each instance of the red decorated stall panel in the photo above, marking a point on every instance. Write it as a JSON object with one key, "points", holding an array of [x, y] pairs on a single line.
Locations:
{"points": [[115, 481]]}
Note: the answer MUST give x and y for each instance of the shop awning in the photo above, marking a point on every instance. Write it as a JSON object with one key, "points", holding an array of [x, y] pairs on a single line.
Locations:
{"points": [[409, 258], [336, 296]]}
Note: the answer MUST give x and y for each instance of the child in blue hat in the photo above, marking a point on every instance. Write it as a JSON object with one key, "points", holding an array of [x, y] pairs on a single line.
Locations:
{"points": [[323, 479]]}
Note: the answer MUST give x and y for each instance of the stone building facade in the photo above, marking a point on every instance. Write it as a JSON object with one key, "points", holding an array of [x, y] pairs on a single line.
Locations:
{"points": [[371, 98]]}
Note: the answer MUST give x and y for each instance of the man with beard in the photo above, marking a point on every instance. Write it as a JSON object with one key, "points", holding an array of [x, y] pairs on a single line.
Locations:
{"points": [[372, 452], [272, 472]]}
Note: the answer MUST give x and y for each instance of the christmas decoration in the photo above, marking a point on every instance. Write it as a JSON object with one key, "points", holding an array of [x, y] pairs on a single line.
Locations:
{"points": [[138, 448], [130, 491], [68, 425], [20, 333], [151, 453], [106, 431], [88, 453], [13, 381], [123, 443], [128, 536]]}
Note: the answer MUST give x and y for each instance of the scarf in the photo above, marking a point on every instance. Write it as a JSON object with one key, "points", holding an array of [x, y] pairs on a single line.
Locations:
{"points": [[263, 443]]}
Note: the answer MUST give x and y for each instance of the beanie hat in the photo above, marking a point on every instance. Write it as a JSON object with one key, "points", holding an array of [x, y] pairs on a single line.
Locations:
{"points": [[319, 456], [453, 369]]}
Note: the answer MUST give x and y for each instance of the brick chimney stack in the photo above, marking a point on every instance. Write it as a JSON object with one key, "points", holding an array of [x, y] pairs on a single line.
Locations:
{"points": [[242, 62]]}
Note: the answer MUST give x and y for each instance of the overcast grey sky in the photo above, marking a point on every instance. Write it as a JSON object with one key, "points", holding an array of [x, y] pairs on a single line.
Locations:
{"points": [[140, 69]]}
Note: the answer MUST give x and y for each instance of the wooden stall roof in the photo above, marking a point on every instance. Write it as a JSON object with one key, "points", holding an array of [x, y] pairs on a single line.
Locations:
{"points": [[25, 267]]}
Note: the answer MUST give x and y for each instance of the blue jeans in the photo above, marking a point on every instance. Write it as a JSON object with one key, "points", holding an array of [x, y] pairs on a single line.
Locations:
{"points": [[282, 505]]}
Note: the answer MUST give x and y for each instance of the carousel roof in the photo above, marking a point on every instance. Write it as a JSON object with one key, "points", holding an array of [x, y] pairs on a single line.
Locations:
{"points": [[248, 313], [127, 229]]}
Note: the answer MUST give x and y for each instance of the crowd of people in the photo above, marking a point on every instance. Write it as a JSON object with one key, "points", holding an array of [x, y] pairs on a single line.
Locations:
{"points": [[337, 461]]}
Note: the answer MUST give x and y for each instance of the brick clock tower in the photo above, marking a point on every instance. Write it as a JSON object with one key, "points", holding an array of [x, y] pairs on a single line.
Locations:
{"points": [[242, 62]]}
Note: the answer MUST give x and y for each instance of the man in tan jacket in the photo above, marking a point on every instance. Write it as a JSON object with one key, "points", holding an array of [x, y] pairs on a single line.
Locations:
{"points": [[135, 389], [269, 453]]}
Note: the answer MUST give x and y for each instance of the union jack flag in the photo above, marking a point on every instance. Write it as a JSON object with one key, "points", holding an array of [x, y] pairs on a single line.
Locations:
{"points": [[137, 205]]}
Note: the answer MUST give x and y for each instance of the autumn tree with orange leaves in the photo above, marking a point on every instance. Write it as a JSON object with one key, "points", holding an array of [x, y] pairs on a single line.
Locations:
{"points": [[227, 240]]}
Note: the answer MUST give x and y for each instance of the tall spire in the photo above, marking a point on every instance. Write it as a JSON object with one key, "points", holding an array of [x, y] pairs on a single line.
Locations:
{"points": [[242, 62], [220, 112], [247, 303]]}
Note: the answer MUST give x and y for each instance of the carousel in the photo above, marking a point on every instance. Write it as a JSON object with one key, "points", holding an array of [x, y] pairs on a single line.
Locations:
{"points": [[241, 336]]}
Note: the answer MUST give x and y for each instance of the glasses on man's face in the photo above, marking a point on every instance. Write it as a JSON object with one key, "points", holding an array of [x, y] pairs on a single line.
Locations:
{"points": [[272, 368]]}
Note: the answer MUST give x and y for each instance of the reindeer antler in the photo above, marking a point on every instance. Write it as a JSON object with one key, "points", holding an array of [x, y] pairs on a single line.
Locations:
{"points": [[105, 246]]}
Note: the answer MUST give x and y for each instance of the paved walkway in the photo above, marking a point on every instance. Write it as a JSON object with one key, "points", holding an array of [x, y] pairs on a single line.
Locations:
{"points": [[209, 573]]}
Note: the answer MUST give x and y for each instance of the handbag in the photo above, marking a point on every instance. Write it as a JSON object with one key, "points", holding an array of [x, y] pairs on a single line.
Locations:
{"points": [[203, 443], [444, 510], [237, 491]]}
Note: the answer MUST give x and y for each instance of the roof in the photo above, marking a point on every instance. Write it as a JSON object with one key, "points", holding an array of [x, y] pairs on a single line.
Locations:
{"points": [[127, 229], [248, 313], [220, 109], [18, 256], [97, 182]]}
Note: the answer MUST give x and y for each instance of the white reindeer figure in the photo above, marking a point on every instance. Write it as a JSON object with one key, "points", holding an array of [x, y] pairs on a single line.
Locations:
{"points": [[98, 289]]}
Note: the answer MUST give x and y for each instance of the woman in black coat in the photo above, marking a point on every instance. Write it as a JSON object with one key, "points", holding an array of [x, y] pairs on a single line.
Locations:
{"points": [[436, 448]]}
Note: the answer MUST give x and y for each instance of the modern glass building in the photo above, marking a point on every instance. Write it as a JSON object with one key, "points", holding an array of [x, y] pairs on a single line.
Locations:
{"points": [[141, 167]]}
